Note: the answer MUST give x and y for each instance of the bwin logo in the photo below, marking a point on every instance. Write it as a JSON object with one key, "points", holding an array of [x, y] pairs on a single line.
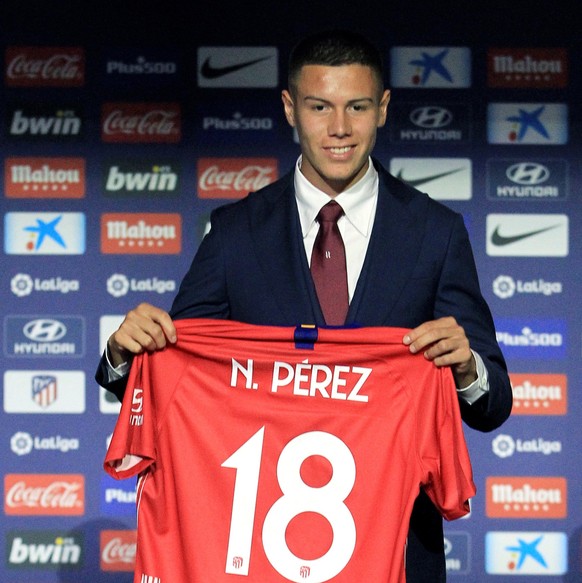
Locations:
{"points": [[431, 117], [528, 173]]}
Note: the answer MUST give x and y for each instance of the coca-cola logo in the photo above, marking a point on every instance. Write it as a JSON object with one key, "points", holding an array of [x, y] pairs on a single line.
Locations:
{"points": [[118, 550], [141, 122], [38, 66], [234, 177], [44, 494]]}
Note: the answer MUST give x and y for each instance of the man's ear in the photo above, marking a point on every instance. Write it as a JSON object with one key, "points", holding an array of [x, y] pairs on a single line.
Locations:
{"points": [[289, 107], [384, 101]]}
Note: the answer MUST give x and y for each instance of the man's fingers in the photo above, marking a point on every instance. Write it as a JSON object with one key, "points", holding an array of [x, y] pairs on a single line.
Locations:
{"points": [[144, 328]]}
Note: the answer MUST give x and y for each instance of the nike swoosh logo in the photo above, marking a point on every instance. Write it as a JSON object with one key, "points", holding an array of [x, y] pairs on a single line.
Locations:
{"points": [[210, 72], [501, 240], [420, 181]]}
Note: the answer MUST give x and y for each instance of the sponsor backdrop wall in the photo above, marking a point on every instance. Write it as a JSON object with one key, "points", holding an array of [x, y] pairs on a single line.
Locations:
{"points": [[123, 127]]}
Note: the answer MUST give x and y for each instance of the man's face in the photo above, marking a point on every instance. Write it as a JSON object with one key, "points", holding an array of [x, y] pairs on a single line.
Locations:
{"points": [[337, 111]]}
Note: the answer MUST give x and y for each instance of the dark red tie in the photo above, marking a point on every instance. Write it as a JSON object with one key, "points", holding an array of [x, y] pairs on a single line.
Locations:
{"points": [[328, 266]]}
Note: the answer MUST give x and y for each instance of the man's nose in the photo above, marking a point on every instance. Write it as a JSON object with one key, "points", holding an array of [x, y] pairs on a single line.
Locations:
{"points": [[339, 124]]}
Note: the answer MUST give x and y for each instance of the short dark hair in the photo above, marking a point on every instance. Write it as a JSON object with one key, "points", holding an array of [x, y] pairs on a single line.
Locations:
{"points": [[334, 48]]}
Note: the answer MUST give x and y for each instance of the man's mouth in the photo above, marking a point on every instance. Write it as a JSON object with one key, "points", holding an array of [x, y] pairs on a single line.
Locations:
{"points": [[339, 151]]}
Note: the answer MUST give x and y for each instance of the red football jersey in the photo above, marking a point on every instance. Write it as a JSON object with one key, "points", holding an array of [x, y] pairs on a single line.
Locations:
{"points": [[268, 454]]}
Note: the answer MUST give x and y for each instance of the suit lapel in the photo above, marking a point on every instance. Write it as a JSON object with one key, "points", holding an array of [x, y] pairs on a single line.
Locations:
{"points": [[278, 245], [394, 247]]}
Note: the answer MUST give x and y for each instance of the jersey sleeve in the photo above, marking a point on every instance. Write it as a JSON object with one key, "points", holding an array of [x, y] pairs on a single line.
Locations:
{"points": [[443, 450], [132, 447]]}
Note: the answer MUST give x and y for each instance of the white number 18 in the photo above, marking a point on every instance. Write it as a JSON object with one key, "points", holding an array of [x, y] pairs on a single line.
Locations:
{"points": [[298, 497]]}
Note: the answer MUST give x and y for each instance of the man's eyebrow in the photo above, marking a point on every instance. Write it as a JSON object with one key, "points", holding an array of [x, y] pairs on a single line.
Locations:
{"points": [[351, 101]]}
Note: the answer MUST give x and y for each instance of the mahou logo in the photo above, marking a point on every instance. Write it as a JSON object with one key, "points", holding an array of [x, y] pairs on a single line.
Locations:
{"points": [[118, 550], [234, 177], [539, 394], [526, 497], [141, 122], [539, 68], [45, 67], [44, 177], [44, 494], [141, 233]]}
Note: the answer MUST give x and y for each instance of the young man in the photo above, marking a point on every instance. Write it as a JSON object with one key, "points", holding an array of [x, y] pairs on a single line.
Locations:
{"points": [[409, 260]]}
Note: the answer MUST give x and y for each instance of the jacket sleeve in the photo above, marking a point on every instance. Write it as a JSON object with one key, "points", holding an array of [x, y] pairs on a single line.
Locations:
{"points": [[459, 295]]}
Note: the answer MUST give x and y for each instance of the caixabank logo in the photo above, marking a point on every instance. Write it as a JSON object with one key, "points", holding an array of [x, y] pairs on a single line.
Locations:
{"points": [[534, 124], [430, 67], [44, 233], [534, 553], [44, 549], [526, 497]]}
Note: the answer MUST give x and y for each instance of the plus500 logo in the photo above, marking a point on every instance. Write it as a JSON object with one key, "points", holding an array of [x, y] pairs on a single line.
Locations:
{"points": [[539, 338]]}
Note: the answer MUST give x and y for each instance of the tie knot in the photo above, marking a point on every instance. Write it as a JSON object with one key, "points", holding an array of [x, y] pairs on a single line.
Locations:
{"points": [[331, 212]]}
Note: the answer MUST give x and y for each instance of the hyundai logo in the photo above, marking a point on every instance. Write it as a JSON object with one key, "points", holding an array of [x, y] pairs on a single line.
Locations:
{"points": [[528, 173], [431, 117], [44, 330]]}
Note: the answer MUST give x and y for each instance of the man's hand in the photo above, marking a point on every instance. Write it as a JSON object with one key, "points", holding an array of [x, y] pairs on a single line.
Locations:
{"points": [[145, 328], [444, 342]]}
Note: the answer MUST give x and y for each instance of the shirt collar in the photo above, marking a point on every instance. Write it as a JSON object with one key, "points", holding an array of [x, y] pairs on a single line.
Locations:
{"points": [[358, 201]]}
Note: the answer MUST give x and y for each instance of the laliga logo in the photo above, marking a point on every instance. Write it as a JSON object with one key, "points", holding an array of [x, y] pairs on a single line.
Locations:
{"points": [[504, 286], [503, 446], [21, 443], [21, 285], [118, 285]]}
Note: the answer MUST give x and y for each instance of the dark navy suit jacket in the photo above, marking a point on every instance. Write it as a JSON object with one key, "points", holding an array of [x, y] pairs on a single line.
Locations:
{"points": [[419, 266]]}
